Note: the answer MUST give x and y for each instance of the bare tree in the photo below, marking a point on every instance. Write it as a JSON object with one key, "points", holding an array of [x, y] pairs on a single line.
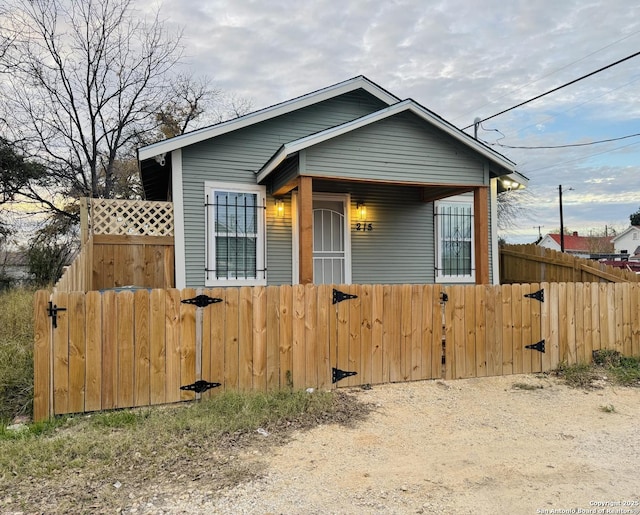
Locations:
{"points": [[87, 80], [511, 206]]}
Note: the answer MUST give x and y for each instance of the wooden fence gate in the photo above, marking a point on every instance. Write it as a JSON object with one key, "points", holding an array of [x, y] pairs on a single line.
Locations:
{"points": [[105, 350]]}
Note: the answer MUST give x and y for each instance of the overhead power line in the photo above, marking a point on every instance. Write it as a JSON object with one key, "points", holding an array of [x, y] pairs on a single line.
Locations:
{"points": [[561, 146], [556, 89]]}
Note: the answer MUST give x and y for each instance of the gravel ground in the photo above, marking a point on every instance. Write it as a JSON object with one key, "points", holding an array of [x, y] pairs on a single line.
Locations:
{"points": [[515, 444]]}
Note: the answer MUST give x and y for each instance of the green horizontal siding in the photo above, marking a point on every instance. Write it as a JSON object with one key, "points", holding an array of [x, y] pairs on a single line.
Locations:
{"points": [[400, 248], [402, 148], [236, 156]]}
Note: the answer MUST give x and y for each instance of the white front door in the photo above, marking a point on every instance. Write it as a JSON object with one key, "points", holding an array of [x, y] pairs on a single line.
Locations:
{"points": [[331, 263]]}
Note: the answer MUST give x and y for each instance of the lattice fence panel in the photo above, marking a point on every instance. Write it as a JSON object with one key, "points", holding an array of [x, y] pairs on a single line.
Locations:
{"points": [[131, 217]]}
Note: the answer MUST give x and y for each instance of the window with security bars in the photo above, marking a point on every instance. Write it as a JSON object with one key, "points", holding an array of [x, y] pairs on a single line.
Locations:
{"points": [[454, 230], [236, 236]]}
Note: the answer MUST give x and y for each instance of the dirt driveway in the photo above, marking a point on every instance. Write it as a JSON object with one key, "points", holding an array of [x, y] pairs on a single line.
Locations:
{"points": [[467, 446]]}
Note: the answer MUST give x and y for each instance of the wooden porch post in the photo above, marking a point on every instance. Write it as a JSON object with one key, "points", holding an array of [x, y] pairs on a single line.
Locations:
{"points": [[305, 227], [481, 231]]}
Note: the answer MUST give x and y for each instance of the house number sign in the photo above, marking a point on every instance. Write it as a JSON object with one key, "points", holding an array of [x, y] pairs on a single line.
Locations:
{"points": [[364, 226]]}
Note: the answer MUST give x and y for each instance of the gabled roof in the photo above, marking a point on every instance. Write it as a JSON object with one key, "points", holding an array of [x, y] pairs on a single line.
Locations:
{"points": [[267, 113], [408, 105], [576, 243], [628, 230]]}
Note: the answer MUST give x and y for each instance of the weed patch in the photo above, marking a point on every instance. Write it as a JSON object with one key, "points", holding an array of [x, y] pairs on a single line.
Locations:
{"points": [[608, 365], [16, 354]]}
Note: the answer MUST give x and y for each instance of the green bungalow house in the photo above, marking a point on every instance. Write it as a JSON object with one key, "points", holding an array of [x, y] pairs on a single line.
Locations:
{"points": [[347, 184]]}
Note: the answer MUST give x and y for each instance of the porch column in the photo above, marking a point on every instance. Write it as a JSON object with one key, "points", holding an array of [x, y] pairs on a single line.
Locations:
{"points": [[481, 231], [305, 227]]}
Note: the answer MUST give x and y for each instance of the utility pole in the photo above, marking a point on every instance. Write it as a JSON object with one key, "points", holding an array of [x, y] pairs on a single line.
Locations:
{"points": [[561, 221]]}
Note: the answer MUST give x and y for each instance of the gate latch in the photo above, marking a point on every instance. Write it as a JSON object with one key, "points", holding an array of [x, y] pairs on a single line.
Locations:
{"points": [[199, 386], [538, 295], [52, 311], [536, 346], [201, 301], [339, 296], [338, 374]]}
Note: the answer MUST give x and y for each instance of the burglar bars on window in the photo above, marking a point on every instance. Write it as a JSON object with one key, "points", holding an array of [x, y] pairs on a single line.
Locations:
{"points": [[455, 225], [236, 232]]}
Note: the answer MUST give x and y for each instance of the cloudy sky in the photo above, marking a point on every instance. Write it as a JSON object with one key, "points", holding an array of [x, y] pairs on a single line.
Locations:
{"points": [[461, 59]]}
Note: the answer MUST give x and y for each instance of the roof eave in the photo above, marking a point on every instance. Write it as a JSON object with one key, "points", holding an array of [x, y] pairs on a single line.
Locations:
{"points": [[199, 135]]}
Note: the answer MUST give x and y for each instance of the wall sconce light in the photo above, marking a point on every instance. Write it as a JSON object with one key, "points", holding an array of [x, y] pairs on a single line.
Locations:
{"points": [[361, 211], [279, 208]]}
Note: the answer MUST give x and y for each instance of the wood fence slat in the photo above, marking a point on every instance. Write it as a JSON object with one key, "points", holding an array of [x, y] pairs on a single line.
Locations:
{"points": [[142, 395], [417, 346], [298, 349], [273, 338], [491, 330], [580, 329], [481, 331], [429, 350], [77, 351], [588, 329], [61, 356], [124, 303], [245, 339], [42, 357], [528, 309], [595, 316], [518, 343], [563, 322], [217, 341], [355, 323], [405, 332], [536, 330], [187, 323], [93, 363], [366, 306], [612, 343], [231, 335], [449, 349], [603, 322], [626, 319], [157, 346], [545, 328], [260, 338], [470, 330], [456, 299], [570, 350], [286, 326], [377, 331], [342, 333], [553, 347], [635, 319], [173, 350], [310, 335], [392, 340], [206, 345], [323, 340], [109, 350], [507, 331]]}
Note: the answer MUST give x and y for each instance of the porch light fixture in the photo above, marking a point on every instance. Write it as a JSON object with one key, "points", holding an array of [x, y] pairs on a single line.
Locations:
{"points": [[279, 208], [510, 185], [361, 211]]}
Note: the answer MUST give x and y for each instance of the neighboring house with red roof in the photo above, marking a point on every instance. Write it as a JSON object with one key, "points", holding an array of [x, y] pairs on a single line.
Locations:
{"points": [[580, 246]]}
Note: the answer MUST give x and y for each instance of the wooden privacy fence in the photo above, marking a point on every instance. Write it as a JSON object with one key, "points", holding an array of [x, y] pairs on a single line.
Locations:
{"points": [[122, 349], [123, 243], [532, 263]]}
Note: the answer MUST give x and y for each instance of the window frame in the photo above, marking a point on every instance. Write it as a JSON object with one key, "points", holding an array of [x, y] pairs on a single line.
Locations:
{"points": [[440, 276], [210, 189]]}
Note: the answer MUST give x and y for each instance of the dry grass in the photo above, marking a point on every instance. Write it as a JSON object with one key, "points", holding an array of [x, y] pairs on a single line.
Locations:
{"points": [[16, 353]]}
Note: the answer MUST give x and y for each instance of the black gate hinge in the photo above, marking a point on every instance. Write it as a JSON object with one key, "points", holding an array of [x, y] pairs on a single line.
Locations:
{"points": [[201, 301], [339, 296], [52, 311], [538, 295], [536, 346], [338, 374], [200, 386], [444, 297]]}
